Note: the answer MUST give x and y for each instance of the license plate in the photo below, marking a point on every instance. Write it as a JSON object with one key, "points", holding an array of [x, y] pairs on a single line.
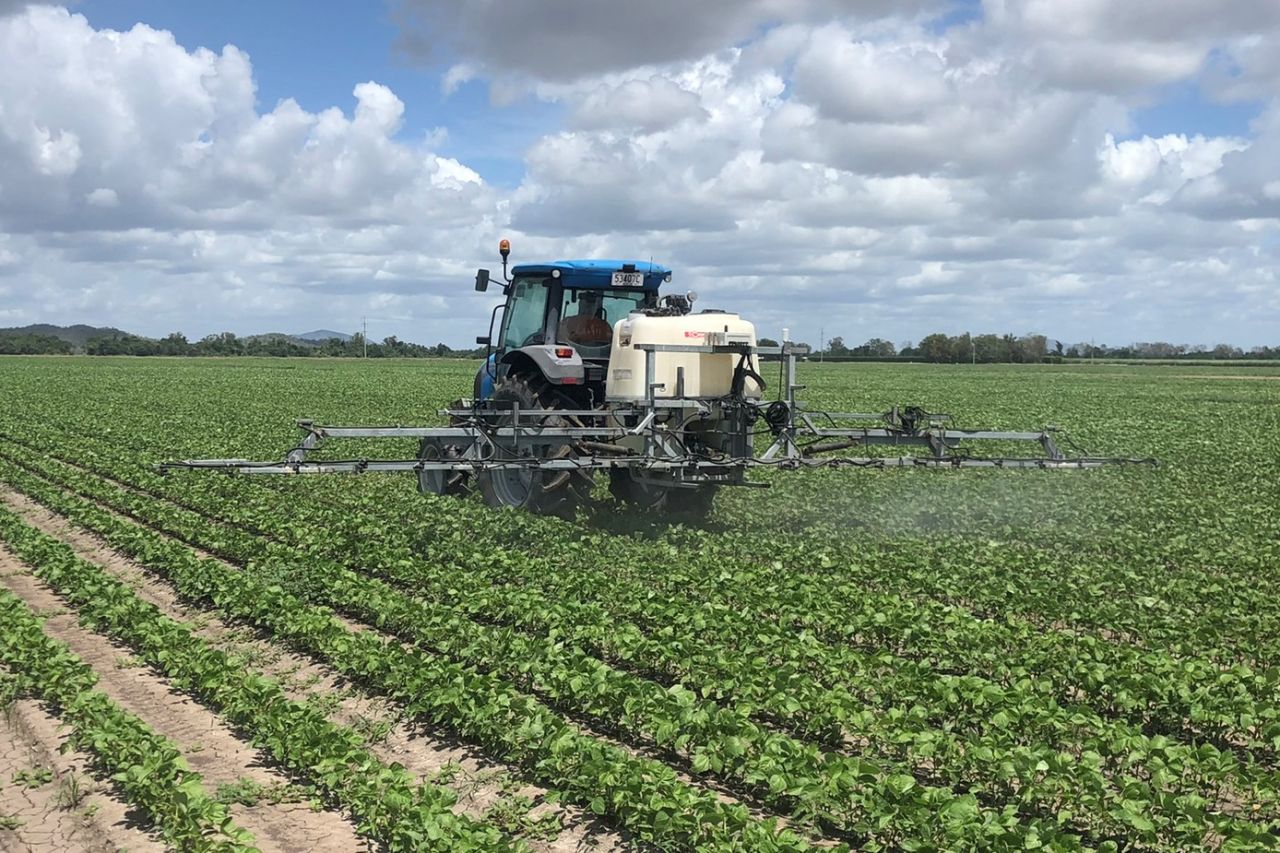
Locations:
{"points": [[628, 279]]}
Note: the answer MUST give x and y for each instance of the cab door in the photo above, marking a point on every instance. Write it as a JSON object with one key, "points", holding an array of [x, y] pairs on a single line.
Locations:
{"points": [[524, 322]]}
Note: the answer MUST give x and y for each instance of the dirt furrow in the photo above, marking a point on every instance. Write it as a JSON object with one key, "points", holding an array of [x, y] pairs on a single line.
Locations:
{"points": [[486, 789], [49, 802], [227, 764]]}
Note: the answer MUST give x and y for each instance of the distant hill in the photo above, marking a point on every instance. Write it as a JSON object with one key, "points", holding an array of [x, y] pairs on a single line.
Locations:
{"points": [[77, 335], [322, 335]]}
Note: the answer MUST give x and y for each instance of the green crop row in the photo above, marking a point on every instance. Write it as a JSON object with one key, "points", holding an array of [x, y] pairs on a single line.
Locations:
{"points": [[1072, 788], [1179, 697], [828, 789], [389, 806], [1096, 651], [643, 796], [148, 769], [1132, 553]]}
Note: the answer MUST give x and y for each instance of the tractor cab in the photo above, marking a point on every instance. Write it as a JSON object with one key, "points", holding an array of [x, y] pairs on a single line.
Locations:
{"points": [[557, 322]]}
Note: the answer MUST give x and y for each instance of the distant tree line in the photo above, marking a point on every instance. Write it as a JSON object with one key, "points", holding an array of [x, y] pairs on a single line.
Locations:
{"points": [[941, 348], [227, 344], [937, 347], [1162, 350], [1024, 349]]}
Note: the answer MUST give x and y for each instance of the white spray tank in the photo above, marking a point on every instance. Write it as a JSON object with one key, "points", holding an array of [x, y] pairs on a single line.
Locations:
{"points": [[706, 375]]}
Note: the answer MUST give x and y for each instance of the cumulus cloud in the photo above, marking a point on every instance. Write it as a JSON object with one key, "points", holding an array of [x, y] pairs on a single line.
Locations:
{"points": [[1247, 186], [1147, 20], [869, 167], [863, 81], [882, 172], [138, 178], [649, 105], [1098, 45], [568, 39], [9, 7]]}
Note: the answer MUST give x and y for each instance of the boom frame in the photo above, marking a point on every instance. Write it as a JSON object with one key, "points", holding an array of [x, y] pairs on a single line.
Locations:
{"points": [[487, 437]]}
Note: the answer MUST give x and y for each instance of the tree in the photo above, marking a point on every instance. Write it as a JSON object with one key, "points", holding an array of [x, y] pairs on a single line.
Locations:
{"points": [[876, 348], [988, 349], [25, 344], [175, 343], [225, 343], [836, 346], [935, 347], [1031, 349]]}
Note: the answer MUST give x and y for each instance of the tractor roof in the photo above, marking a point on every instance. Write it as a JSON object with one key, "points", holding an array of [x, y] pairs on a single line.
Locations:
{"points": [[596, 272]]}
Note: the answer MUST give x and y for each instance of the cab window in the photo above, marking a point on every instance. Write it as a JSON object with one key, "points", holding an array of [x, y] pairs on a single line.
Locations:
{"points": [[523, 324], [587, 317]]}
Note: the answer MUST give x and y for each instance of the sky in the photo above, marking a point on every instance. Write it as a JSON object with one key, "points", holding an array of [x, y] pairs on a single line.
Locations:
{"points": [[864, 168]]}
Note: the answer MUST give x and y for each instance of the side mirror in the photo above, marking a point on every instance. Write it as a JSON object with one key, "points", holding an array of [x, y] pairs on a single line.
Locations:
{"points": [[482, 281], [482, 340]]}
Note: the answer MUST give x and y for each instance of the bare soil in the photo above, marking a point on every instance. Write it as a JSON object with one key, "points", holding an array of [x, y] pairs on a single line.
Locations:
{"points": [[48, 799], [211, 748], [484, 787]]}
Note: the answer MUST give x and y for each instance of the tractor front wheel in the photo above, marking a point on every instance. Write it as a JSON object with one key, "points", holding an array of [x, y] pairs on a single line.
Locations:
{"points": [[436, 482]]}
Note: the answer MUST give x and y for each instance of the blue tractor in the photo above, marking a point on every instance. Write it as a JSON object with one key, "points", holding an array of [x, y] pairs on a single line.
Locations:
{"points": [[557, 324], [551, 354]]}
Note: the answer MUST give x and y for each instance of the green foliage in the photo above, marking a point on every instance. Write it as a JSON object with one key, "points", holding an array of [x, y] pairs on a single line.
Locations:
{"points": [[147, 768], [33, 777], [390, 806], [25, 344], [71, 792], [893, 660]]}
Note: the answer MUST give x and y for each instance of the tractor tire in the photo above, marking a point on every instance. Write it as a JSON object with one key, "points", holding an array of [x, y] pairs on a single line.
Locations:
{"points": [[626, 488], [549, 492], [694, 503], [451, 483]]}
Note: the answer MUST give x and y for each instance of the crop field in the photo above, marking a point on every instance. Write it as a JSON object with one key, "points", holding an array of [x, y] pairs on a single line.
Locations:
{"points": [[848, 659]]}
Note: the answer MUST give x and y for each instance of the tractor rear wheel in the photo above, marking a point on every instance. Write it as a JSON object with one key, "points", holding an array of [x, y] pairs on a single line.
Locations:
{"points": [[548, 491]]}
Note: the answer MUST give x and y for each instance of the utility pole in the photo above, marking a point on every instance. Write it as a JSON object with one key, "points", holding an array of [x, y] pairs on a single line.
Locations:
{"points": [[364, 334], [822, 344], [973, 348]]}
